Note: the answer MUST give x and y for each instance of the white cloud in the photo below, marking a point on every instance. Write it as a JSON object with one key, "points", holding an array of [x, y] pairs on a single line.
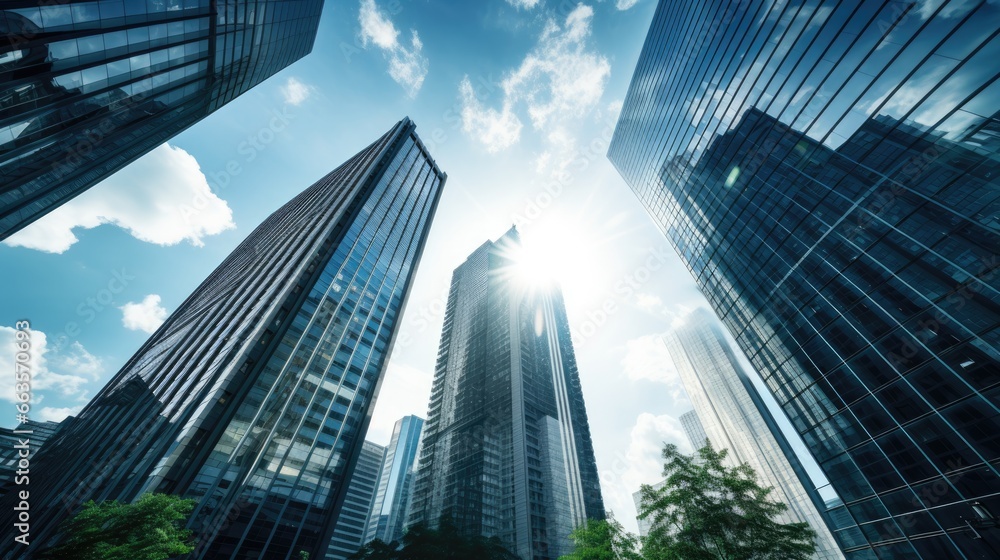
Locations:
{"points": [[560, 78], [76, 358], [66, 372], [526, 4], [494, 129], [295, 92], [614, 109], [647, 359], [52, 414], [648, 302], [559, 81], [645, 449], [642, 462], [955, 8], [625, 4], [407, 66], [405, 390], [146, 316], [161, 198]]}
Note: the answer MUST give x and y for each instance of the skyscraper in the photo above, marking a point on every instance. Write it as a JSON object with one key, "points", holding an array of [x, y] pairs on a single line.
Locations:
{"points": [[254, 396], [734, 418], [693, 429], [828, 173], [506, 451], [349, 532], [86, 87], [395, 482]]}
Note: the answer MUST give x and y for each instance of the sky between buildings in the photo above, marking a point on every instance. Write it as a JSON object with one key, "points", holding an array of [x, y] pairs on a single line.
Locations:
{"points": [[516, 100]]}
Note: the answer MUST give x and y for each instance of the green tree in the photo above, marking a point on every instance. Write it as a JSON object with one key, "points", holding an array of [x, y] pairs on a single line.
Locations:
{"points": [[152, 528], [376, 550], [602, 539], [707, 511]]}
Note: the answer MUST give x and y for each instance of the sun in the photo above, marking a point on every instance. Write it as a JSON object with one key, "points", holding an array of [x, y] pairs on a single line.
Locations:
{"points": [[536, 264], [556, 252]]}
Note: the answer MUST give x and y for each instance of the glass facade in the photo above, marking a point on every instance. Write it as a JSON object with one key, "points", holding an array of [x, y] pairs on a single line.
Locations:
{"points": [[732, 416], [349, 532], [254, 396], [506, 450], [829, 174], [88, 86], [395, 482], [693, 429]]}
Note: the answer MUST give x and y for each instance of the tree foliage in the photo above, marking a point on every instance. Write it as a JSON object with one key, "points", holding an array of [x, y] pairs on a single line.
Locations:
{"points": [[152, 528], [446, 543], [708, 511], [602, 539]]}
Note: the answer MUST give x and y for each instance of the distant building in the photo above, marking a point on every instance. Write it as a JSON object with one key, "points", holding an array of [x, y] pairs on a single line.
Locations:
{"points": [[734, 418], [253, 398], [506, 450], [86, 87], [693, 429], [388, 516], [644, 524], [350, 528]]}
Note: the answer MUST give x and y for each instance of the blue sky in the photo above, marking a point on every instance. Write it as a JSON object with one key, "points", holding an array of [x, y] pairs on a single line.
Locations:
{"points": [[515, 99]]}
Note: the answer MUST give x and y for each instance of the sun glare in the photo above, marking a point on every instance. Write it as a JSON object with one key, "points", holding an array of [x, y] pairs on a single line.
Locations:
{"points": [[559, 251], [535, 264]]}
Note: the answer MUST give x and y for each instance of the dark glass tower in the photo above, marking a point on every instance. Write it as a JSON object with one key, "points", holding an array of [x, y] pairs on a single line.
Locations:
{"points": [[396, 481], [349, 532], [506, 451], [829, 174], [254, 396], [86, 87]]}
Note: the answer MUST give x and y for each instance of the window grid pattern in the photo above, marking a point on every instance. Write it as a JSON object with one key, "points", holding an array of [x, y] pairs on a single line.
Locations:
{"points": [[253, 396], [828, 173], [86, 87], [506, 449]]}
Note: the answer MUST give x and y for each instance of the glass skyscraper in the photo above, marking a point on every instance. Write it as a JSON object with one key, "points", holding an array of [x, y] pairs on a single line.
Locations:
{"points": [[829, 174], [254, 396], [395, 484], [693, 429], [86, 87], [733, 417], [506, 450], [349, 532]]}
